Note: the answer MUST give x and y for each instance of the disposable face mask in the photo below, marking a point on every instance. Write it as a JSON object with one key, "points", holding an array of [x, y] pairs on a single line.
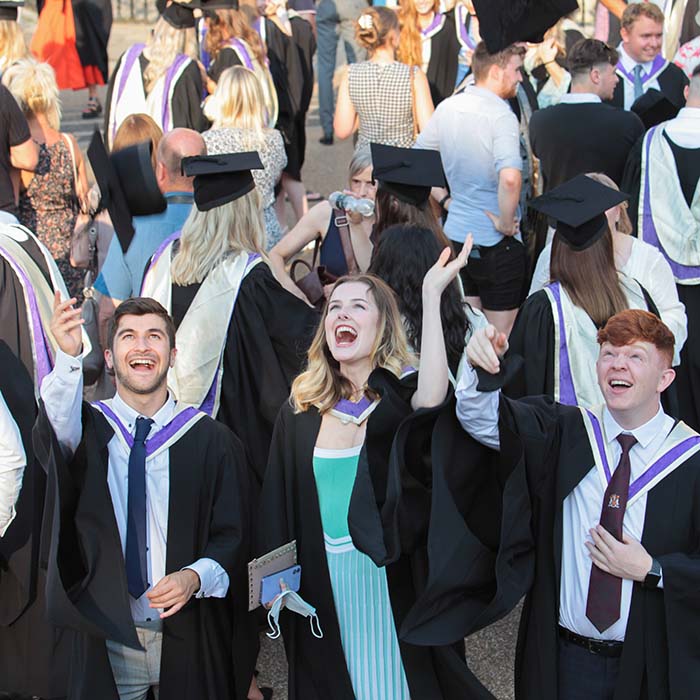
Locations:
{"points": [[296, 604]]}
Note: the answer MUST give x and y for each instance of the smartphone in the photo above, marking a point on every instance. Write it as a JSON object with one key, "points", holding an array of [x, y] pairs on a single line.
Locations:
{"points": [[270, 585]]}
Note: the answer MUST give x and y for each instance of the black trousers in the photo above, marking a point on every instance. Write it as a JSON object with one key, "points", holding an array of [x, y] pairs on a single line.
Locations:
{"points": [[585, 676]]}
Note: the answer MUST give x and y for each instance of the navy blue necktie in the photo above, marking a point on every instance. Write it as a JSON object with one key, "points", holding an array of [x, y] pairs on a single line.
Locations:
{"points": [[136, 566]]}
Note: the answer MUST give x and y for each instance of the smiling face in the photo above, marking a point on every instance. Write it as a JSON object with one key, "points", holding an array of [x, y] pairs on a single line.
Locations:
{"points": [[362, 185], [141, 354], [642, 41], [509, 77], [424, 7], [632, 378], [352, 323]]}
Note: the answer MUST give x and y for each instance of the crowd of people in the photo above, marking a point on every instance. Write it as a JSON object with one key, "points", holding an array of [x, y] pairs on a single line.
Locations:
{"points": [[468, 377]]}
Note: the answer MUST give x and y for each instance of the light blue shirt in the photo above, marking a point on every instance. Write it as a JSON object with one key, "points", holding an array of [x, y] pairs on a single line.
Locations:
{"points": [[122, 273], [477, 135]]}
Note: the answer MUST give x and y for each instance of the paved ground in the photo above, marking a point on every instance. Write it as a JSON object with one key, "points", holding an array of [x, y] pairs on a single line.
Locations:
{"points": [[490, 653]]}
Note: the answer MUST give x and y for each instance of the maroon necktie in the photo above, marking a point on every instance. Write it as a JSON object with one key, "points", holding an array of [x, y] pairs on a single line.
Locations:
{"points": [[605, 590]]}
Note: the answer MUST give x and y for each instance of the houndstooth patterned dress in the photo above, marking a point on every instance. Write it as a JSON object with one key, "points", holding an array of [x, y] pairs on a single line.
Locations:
{"points": [[381, 95]]}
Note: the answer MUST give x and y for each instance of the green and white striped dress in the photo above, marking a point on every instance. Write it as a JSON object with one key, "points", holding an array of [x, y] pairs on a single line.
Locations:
{"points": [[360, 590]]}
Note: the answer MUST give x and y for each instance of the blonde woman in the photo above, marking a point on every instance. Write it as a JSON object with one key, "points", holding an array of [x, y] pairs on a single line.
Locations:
{"points": [[241, 338], [49, 196], [237, 110], [231, 41], [161, 78], [13, 47], [327, 487]]}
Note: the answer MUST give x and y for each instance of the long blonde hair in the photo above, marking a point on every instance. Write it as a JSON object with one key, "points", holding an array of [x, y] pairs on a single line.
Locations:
{"points": [[238, 101], [13, 47], [321, 384], [164, 46], [209, 237], [33, 85]]}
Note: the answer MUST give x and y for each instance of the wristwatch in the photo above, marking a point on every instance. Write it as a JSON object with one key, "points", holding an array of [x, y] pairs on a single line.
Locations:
{"points": [[654, 576]]}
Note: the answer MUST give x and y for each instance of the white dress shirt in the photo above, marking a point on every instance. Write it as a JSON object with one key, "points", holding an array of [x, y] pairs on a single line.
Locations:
{"points": [[12, 463], [478, 414], [628, 64], [684, 130], [579, 98], [62, 394]]}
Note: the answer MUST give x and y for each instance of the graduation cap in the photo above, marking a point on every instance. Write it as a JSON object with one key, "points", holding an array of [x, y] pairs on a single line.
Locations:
{"points": [[579, 207], [653, 107], [222, 178], [127, 183], [503, 22], [212, 5], [407, 173], [8, 9], [179, 16]]}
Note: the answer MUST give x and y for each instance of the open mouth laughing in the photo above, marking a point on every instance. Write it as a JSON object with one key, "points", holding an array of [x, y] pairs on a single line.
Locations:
{"points": [[345, 335]]}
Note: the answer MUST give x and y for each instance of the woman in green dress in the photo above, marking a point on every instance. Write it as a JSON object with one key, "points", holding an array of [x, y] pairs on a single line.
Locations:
{"points": [[328, 487]]}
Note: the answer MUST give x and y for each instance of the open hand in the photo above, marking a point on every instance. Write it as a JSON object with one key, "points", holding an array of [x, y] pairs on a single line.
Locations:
{"points": [[173, 591], [444, 271], [627, 559], [547, 50], [486, 347], [66, 326]]}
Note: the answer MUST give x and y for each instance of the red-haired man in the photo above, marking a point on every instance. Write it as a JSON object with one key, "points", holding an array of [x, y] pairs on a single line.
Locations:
{"points": [[599, 523]]}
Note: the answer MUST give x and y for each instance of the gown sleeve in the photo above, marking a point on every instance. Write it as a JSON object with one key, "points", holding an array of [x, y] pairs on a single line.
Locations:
{"points": [[532, 338], [187, 100]]}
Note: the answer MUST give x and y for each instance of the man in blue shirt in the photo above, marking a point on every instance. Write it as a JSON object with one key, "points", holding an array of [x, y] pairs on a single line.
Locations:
{"points": [[122, 272]]}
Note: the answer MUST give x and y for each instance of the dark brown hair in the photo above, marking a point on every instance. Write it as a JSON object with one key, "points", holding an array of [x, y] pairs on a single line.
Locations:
{"points": [[140, 306], [482, 60], [384, 21], [390, 210], [633, 325], [589, 277], [588, 53]]}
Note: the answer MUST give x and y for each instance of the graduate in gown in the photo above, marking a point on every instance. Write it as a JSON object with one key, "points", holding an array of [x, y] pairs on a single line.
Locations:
{"points": [[231, 41], [148, 504], [430, 40], [328, 487], [597, 522], [555, 331], [32, 652], [242, 337], [668, 220], [160, 78]]}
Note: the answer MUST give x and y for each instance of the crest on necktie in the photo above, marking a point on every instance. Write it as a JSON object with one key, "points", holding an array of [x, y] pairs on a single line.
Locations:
{"points": [[614, 501]]}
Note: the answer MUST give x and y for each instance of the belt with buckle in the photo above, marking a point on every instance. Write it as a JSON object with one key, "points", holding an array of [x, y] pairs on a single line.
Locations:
{"points": [[600, 647]]}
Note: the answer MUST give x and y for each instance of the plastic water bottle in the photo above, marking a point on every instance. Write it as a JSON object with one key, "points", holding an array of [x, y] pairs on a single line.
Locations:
{"points": [[353, 205]]}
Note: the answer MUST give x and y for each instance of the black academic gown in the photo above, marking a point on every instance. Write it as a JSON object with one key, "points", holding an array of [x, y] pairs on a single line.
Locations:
{"points": [[32, 652], [226, 58], [544, 455], [672, 81], [268, 336], [444, 56], [532, 339], [384, 524], [87, 589], [186, 102]]}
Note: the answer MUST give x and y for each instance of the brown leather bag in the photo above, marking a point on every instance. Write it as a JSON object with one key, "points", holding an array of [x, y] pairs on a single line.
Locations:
{"points": [[313, 282]]}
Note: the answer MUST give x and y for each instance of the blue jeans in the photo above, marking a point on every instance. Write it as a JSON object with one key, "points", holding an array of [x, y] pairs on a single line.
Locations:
{"points": [[334, 19]]}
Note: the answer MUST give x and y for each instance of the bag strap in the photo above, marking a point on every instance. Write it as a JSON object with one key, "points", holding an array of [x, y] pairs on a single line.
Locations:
{"points": [[317, 250], [414, 115], [76, 183], [343, 225]]}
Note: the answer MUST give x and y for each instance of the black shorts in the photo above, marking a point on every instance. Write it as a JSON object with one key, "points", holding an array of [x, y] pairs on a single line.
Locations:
{"points": [[496, 274]]}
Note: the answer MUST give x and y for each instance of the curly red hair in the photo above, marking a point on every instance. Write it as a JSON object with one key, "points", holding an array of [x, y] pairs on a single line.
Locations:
{"points": [[633, 325]]}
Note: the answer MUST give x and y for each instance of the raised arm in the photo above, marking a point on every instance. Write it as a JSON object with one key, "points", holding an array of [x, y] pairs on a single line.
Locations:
{"points": [[62, 390], [433, 377]]}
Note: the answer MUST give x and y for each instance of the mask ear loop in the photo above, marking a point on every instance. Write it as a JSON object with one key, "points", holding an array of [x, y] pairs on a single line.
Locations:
{"points": [[314, 617], [274, 626]]}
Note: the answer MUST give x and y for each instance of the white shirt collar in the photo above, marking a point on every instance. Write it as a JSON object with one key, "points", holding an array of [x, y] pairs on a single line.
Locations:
{"points": [[689, 113], [628, 63], [644, 433], [128, 415], [578, 98]]}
